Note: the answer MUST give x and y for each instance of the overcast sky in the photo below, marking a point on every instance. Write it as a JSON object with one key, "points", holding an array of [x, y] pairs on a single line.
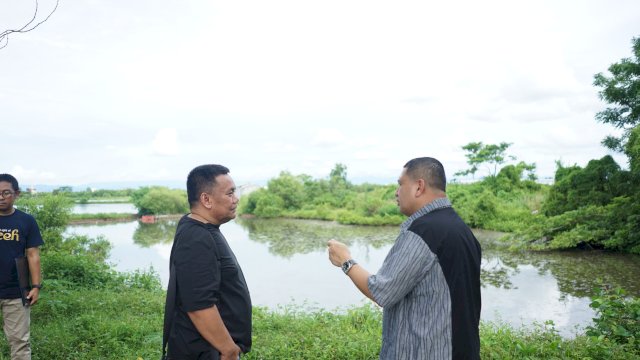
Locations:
{"points": [[121, 90]]}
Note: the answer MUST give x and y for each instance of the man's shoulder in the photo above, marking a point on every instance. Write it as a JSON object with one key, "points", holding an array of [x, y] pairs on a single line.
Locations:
{"points": [[192, 234], [435, 218], [19, 215]]}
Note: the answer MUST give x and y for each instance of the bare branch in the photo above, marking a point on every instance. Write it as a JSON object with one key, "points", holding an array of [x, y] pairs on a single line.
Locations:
{"points": [[4, 36]]}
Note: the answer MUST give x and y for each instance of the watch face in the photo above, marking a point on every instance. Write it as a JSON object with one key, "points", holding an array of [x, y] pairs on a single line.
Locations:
{"points": [[347, 265]]}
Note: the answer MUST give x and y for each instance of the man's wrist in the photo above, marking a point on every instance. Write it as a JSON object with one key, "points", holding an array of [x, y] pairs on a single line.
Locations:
{"points": [[347, 265], [36, 286]]}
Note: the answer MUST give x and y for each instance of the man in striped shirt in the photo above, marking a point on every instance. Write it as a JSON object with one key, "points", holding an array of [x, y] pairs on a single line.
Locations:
{"points": [[429, 283]]}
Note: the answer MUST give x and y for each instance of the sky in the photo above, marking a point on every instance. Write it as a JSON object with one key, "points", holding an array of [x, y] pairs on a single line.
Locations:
{"points": [[110, 91]]}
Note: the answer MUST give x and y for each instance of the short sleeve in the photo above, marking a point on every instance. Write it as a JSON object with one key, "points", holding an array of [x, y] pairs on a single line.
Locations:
{"points": [[197, 269], [407, 263], [34, 238]]}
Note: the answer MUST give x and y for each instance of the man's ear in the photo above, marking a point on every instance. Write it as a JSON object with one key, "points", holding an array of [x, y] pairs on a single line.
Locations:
{"points": [[205, 200], [421, 187]]}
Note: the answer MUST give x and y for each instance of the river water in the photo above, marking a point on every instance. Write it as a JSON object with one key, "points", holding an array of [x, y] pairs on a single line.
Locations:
{"points": [[285, 263]]}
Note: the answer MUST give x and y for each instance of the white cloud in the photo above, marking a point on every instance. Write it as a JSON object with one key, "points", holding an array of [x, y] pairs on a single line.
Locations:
{"points": [[288, 85], [328, 138], [165, 142], [27, 177]]}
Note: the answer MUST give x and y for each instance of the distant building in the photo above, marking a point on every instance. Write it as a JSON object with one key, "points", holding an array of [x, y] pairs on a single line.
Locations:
{"points": [[32, 190]]}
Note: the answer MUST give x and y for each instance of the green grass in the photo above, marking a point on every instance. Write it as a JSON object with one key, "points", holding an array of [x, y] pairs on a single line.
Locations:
{"points": [[106, 200], [126, 323], [101, 217]]}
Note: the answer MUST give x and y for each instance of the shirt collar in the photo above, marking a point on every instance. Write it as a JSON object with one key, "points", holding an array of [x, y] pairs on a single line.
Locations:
{"points": [[439, 203]]}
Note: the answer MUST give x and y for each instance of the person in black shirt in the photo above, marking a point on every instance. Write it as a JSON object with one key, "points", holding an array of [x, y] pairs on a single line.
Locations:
{"points": [[212, 314]]}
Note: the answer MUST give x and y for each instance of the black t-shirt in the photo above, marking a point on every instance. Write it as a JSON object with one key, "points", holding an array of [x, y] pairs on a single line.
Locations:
{"points": [[18, 232], [207, 273]]}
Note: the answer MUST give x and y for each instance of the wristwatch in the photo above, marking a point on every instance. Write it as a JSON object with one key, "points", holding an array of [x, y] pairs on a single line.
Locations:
{"points": [[36, 286], [347, 265]]}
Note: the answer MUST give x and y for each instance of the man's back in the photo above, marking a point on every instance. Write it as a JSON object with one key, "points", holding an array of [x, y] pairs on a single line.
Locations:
{"points": [[459, 256]]}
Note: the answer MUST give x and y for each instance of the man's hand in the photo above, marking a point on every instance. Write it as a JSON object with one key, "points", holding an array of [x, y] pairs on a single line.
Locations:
{"points": [[232, 354], [33, 296], [338, 252]]}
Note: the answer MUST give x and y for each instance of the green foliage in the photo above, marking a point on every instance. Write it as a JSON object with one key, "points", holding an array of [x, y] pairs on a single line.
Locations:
{"points": [[333, 199], [76, 218], [81, 245], [496, 204], [594, 207], [599, 206], [615, 226], [288, 188], [622, 91], [293, 334], [542, 341], [269, 205], [157, 200], [52, 214], [633, 151], [617, 318], [490, 154], [76, 271], [107, 315], [597, 184]]}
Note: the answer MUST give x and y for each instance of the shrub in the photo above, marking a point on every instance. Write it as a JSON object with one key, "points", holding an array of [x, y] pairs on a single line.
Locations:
{"points": [[160, 200], [618, 318]]}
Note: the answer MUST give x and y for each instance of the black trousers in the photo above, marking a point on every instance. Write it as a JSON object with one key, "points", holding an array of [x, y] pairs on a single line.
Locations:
{"points": [[206, 355]]}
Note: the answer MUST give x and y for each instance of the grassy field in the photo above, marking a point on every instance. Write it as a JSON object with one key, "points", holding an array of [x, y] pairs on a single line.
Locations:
{"points": [[124, 321]]}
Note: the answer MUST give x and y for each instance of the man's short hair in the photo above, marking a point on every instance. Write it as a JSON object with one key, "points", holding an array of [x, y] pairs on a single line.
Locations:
{"points": [[428, 169], [10, 179], [203, 179]]}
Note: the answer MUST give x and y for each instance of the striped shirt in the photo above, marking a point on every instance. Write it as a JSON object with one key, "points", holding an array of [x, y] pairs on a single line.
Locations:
{"points": [[429, 288]]}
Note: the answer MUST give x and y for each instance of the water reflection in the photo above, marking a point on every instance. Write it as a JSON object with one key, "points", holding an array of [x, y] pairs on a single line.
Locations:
{"points": [[288, 237], [578, 273], [160, 232], [285, 261]]}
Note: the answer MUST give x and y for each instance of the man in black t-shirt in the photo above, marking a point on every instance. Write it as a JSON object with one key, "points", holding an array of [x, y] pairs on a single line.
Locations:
{"points": [[212, 314], [19, 236]]}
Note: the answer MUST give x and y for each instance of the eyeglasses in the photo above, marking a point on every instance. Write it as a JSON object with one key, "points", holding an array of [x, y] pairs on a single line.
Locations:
{"points": [[7, 194]]}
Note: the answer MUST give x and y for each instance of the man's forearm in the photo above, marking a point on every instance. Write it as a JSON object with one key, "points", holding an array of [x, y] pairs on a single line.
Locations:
{"points": [[33, 256], [360, 277], [209, 324]]}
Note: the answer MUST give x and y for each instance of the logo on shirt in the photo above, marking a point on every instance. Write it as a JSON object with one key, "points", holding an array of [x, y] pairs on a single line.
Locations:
{"points": [[9, 235]]}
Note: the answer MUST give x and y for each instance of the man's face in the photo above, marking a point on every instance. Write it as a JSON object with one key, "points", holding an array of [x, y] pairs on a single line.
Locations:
{"points": [[405, 194], [223, 199], [7, 197]]}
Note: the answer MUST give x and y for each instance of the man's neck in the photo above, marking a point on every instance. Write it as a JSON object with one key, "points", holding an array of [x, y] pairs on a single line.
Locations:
{"points": [[199, 216], [8, 212]]}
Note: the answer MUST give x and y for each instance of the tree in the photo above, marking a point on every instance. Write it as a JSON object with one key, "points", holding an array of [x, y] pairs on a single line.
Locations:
{"points": [[597, 184], [158, 200], [622, 91], [52, 213], [289, 188], [633, 150], [490, 154], [472, 148], [4, 35]]}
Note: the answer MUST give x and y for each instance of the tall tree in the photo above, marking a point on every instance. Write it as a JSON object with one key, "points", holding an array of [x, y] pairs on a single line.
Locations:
{"points": [[622, 91], [472, 150], [490, 154]]}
